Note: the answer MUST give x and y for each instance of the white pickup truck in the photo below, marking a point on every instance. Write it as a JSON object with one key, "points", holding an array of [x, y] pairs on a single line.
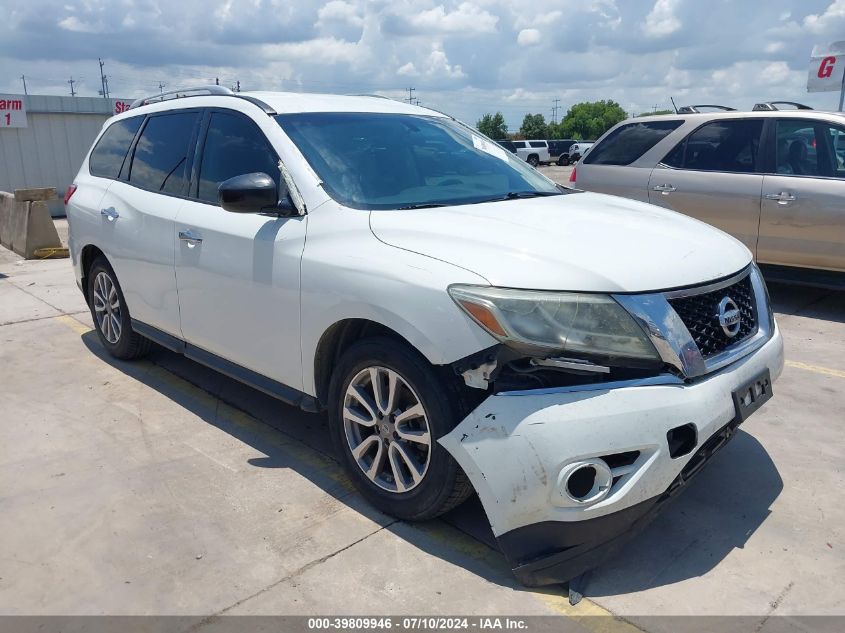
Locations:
{"points": [[533, 152]]}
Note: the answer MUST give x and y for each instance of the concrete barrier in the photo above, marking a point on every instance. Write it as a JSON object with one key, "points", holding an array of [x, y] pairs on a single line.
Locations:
{"points": [[25, 224]]}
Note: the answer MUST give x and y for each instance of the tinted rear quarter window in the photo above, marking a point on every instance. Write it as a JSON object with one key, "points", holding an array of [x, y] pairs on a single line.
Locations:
{"points": [[629, 142], [111, 149], [537, 144], [161, 154], [727, 145]]}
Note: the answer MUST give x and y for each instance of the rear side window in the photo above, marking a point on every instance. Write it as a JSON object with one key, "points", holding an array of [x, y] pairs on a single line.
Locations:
{"points": [[628, 142], [234, 146], [161, 154], [730, 145], [537, 144], [111, 149]]}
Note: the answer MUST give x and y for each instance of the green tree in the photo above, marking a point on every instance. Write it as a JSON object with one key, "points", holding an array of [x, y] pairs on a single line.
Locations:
{"points": [[534, 126], [591, 119], [493, 126]]}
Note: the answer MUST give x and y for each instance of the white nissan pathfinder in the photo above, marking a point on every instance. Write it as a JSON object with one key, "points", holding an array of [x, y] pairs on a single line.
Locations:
{"points": [[470, 326]]}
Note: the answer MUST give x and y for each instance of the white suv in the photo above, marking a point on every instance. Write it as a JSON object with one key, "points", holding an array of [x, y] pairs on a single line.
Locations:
{"points": [[572, 358]]}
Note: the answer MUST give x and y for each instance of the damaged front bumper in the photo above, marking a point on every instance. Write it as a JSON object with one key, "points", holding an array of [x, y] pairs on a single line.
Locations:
{"points": [[567, 475]]}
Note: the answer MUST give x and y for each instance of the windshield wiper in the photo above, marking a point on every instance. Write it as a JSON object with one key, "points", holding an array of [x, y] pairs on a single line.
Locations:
{"points": [[516, 195], [423, 205]]}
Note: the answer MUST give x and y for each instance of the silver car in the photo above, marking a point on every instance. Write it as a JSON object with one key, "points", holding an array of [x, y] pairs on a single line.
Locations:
{"points": [[773, 179]]}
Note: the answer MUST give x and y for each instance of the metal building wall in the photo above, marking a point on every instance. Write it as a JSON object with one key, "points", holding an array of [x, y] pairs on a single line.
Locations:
{"points": [[49, 151]]}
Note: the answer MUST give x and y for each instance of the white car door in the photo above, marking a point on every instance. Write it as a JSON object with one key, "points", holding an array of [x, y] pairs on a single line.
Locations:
{"points": [[238, 274], [137, 215]]}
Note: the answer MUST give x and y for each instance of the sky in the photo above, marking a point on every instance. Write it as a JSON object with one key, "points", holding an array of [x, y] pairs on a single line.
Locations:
{"points": [[461, 57]]}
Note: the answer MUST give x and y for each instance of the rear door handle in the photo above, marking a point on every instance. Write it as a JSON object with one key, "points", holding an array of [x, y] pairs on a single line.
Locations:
{"points": [[784, 197], [110, 214], [190, 238], [664, 189]]}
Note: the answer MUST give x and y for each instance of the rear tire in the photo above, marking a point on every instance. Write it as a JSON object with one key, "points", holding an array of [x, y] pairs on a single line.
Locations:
{"points": [[110, 314], [563, 161], [533, 160], [387, 409]]}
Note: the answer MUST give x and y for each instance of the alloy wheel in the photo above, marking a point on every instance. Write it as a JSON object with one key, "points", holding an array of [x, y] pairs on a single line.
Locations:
{"points": [[387, 429], [107, 307]]}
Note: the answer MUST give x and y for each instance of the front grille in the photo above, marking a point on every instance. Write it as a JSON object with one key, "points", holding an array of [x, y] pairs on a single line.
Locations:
{"points": [[700, 313]]}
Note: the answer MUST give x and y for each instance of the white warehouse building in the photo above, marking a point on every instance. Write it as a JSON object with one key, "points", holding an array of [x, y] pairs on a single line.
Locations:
{"points": [[43, 139]]}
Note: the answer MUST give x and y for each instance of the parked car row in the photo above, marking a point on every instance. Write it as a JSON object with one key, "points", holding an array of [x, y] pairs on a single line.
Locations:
{"points": [[542, 152], [774, 179]]}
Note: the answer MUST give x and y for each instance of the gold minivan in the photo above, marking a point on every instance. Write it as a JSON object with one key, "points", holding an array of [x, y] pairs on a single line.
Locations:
{"points": [[774, 179]]}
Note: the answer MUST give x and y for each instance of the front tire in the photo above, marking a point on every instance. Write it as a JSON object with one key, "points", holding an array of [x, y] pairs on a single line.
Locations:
{"points": [[388, 407], [563, 161], [110, 314]]}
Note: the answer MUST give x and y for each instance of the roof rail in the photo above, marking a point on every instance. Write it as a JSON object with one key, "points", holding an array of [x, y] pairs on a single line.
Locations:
{"points": [[694, 109], [185, 92], [770, 106], [201, 91]]}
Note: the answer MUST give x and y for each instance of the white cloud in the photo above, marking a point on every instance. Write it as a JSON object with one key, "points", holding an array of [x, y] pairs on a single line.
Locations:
{"points": [[662, 20], [528, 37], [339, 11], [467, 18], [833, 17], [439, 66], [408, 70], [72, 23]]}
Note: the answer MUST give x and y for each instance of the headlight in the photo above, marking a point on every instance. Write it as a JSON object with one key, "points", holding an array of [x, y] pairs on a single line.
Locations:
{"points": [[568, 322]]}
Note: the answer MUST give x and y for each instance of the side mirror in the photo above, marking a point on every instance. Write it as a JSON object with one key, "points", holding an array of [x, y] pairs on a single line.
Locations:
{"points": [[253, 193]]}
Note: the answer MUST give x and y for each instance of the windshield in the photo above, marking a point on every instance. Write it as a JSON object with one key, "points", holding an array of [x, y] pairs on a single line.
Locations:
{"points": [[393, 161]]}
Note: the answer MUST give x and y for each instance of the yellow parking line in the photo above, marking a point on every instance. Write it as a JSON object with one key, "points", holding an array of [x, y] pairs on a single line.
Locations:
{"points": [[816, 368], [77, 326], [587, 613]]}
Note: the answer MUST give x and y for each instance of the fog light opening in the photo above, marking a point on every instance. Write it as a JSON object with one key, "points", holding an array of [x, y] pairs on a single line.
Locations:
{"points": [[581, 482], [585, 482]]}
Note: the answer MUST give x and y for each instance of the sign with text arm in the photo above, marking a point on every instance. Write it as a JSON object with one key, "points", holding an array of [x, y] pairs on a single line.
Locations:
{"points": [[12, 111]]}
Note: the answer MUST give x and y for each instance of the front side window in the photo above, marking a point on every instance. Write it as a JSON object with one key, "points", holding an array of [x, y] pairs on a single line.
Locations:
{"points": [[727, 145], [387, 161], [629, 142], [107, 157], [161, 154], [796, 148], [233, 146]]}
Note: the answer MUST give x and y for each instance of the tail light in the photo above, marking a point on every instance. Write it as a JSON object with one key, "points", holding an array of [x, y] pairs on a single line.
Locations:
{"points": [[70, 191], [571, 178]]}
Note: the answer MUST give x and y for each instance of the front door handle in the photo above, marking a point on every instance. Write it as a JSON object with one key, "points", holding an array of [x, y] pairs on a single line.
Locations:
{"points": [[190, 238], [784, 197], [664, 189], [110, 214]]}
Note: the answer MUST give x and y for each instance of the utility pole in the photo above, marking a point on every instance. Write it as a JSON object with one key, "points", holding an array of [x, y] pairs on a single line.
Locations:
{"points": [[238, 86], [217, 81], [161, 87], [104, 92], [555, 108], [23, 79], [72, 81], [411, 95]]}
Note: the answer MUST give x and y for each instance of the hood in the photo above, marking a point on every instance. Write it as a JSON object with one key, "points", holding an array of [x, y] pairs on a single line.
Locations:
{"points": [[581, 241]]}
